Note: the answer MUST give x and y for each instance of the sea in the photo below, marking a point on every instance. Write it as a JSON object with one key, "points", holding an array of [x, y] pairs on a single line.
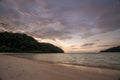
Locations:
{"points": [[105, 60]]}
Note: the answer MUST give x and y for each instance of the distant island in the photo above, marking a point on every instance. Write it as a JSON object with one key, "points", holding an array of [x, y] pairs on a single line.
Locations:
{"points": [[22, 43], [113, 49]]}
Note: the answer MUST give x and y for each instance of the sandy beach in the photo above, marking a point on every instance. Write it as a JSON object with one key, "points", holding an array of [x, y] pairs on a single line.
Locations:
{"points": [[14, 68]]}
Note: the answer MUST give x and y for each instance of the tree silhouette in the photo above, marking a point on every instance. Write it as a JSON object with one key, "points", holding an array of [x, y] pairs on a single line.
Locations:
{"points": [[18, 42]]}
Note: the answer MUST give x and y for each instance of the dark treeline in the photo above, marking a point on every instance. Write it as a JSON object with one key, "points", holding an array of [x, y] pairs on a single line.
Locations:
{"points": [[18, 42], [113, 49]]}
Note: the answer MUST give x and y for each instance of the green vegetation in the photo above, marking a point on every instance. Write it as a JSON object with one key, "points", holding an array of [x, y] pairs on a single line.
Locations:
{"points": [[113, 49], [18, 42]]}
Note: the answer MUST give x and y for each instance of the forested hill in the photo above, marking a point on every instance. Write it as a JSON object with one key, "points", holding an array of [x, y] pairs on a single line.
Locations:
{"points": [[18, 42], [113, 49]]}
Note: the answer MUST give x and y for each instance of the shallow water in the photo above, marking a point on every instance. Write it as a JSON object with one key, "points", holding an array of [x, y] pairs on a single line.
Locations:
{"points": [[110, 60]]}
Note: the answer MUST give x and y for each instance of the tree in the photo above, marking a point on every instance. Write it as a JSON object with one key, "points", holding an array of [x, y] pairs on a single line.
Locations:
{"points": [[18, 42]]}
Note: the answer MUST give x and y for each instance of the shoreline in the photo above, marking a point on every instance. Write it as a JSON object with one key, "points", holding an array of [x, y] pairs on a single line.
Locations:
{"points": [[30, 58], [25, 68]]}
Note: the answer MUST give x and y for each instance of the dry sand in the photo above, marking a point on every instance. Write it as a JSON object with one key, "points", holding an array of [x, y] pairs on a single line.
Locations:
{"points": [[14, 68]]}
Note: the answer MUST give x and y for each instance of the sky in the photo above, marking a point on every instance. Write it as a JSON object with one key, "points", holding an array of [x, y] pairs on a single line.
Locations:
{"points": [[73, 25]]}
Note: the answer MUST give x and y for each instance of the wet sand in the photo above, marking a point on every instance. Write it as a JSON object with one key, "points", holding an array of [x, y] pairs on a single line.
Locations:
{"points": [[14, 68]]}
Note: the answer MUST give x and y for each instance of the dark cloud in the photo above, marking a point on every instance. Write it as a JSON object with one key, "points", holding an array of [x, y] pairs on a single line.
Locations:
{"points": [[78, 17], [88, 45], [104, 45], [53, 34], [92, 18]]}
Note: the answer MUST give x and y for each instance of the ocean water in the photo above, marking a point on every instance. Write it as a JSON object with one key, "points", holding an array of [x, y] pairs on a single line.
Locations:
{"points": [[108, 60]]}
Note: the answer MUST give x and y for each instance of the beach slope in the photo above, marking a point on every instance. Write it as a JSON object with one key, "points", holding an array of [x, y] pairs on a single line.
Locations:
{"points": [[14, 68]]}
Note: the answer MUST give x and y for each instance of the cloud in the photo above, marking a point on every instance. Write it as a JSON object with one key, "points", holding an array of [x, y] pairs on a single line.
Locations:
{"points": [[76, 17], [92, 18], [88, 45], [104, 45]]}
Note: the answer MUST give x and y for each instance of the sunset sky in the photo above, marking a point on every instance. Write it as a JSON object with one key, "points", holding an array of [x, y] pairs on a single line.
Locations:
{"points": [[73, 25]]}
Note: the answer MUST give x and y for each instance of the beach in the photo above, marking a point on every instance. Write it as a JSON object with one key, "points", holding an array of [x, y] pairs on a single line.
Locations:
{"points": [[15, 68]]}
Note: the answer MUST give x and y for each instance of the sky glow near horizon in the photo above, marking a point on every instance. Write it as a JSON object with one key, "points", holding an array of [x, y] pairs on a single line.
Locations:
{"points": [[73, 25]]}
